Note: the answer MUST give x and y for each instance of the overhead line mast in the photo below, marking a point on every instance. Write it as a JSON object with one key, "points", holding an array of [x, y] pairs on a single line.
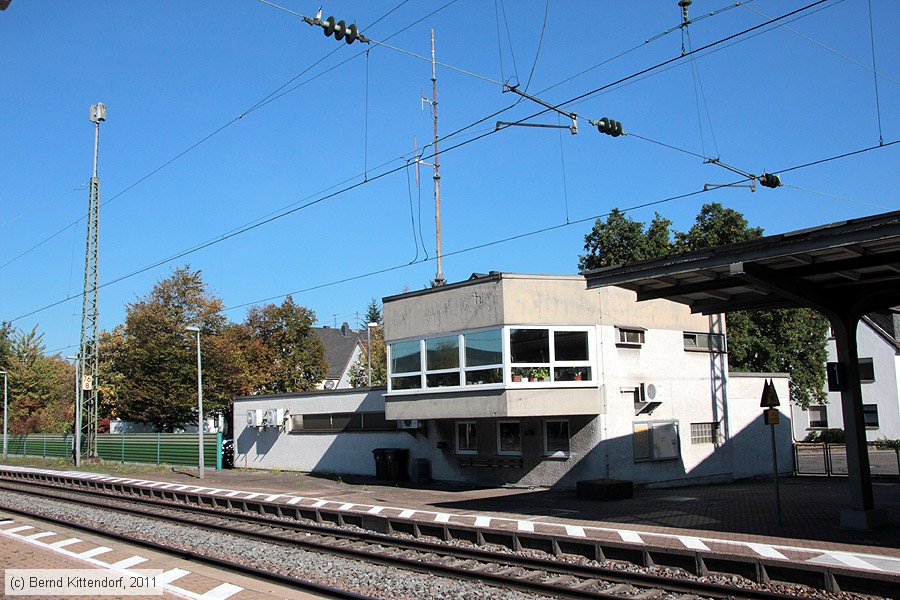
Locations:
{"points": [[439, 276], [86, 412]]}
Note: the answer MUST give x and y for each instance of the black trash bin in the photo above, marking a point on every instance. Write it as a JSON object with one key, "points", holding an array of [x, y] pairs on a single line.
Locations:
{"points": [[381, 465], [397, 460]]}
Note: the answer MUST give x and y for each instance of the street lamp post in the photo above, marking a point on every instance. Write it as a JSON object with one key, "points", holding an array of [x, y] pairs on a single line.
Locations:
{"points": [[196, 330], [4, 412], [77, 412], [369, 327]]}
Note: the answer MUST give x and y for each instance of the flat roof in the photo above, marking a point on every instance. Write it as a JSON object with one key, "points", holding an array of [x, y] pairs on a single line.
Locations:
{"points": [[477, 278], [850, 262]]}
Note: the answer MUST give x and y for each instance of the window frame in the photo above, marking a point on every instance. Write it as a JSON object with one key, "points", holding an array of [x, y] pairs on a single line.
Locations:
{"points": [[459, 449], [500, 451], [707, 348], [714, 435], [872, 409], [651, 427], [589, 365], [625, 329], [821, 423], [557, 453], [868, 360]]}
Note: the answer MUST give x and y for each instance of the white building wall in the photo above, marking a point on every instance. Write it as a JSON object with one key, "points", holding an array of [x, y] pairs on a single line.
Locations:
{"points": [[884, 391], [751, 438]]}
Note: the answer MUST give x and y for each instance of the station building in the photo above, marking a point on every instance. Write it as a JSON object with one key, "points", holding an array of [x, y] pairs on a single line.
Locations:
{"points": [[533, 380]]}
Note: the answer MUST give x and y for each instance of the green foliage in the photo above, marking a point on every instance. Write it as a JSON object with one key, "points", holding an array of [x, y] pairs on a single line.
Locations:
{"points": [[41, 394], [886, 444], [359, 371], [373, 312], [288, 355], [791, 341], [828, 436]]}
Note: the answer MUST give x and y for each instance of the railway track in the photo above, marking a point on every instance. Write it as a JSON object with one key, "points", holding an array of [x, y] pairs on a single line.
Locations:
{"points": [[509, 570]]}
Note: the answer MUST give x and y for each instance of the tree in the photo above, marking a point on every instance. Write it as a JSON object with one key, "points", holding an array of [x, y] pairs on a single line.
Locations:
{"points": [[359, 372], [153, 358], [41, 395], [621, 239], [287, 355], [789, 340], [373, 312]]}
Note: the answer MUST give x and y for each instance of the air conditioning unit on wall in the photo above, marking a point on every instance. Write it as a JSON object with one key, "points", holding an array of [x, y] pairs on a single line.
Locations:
{"points": [[651, 398], [409, 424], [255, 418], [273, 417]]}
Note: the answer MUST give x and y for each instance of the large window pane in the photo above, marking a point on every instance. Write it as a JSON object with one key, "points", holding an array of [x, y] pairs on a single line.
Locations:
{"points": [[442, 379], [466, 438], [405, 357], [571, 345], [442, 353], [572, 374], [347, 421], [484, 348], [317, 422], [529, 345], [484, 376], [410, 382], [557, 437]]}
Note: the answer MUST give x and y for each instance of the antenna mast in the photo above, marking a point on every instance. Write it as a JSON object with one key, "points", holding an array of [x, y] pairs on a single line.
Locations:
{"points": [[90, 364], [439, 276]]}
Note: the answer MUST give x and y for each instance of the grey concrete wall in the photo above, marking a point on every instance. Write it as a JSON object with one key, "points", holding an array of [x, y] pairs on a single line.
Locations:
{"points": [[497, 403]]}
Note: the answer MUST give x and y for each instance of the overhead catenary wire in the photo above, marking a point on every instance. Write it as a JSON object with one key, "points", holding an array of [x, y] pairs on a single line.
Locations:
{"points": [[836, 196], [486, 244], [875, 73], [355, 185]]}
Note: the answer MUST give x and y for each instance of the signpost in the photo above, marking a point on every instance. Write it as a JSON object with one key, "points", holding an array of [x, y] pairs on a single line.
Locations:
{"points": [[771, 417]]}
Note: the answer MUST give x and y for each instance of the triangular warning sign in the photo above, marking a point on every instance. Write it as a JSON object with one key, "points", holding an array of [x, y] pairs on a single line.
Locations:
{"points": [[769, 395]]}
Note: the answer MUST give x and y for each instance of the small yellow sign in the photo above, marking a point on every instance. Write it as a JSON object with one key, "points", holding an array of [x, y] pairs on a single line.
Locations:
{"points": [[772, 416]]}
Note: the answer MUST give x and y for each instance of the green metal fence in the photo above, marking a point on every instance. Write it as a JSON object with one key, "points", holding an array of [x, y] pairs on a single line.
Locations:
{"points": [[144, 448]]}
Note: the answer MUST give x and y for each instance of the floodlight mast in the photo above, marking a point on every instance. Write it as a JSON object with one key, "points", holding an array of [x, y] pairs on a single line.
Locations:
{"points": [[89, 357]]}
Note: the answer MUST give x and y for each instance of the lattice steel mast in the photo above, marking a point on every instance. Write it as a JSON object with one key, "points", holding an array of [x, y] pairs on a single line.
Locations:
{"points": [[439, 276], [89, 357]]}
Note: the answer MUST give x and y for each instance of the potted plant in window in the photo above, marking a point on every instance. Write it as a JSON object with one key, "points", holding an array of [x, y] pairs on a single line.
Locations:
{"points": [[541, 374]]}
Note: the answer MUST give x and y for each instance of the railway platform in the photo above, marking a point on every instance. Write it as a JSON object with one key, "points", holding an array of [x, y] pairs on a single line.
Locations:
{"points": [[732, 519]]}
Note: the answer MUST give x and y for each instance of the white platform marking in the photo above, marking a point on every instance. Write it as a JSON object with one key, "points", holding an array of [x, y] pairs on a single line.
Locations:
{"points": [[251, 496], [64, 543], [226, 590], [273, 497], [95, 552], [442, 518], [375, 510], [347, 506], [128, 562], [766, 551], [407, 514], [575, 530], [171, 575], [526, 526], [38, 536], [852, 561], [692, 542], [7, 522], [294, 500], [18, 529], [482, 521], [232, 494], [319, 503], [630, 536]]}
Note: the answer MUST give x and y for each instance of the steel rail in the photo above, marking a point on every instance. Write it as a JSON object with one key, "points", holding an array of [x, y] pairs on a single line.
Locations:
{"points": [[507, 562]]}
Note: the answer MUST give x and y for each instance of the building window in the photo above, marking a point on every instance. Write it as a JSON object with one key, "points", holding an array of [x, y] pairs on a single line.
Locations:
{"points": [[556, 437], [655, 440], [341, 422], [509, 437], [406, 365], [866, 370], [629, 336], [529, 346], [466, 437], [818, 417], [484, 357], [550, 355], [442, 361], [705, 433], [870, 415], [704, 342]]}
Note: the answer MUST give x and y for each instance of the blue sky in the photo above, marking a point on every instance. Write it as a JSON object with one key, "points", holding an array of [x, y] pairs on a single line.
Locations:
{"points": [[172, 73]]}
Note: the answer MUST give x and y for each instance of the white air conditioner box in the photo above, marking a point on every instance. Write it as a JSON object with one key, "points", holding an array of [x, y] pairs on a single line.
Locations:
{"points": [[273, 417], [255, 418], [654, 392]]}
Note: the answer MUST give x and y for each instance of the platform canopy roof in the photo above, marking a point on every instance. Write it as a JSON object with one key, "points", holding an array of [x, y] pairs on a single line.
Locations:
{"points": [[850, 267]]}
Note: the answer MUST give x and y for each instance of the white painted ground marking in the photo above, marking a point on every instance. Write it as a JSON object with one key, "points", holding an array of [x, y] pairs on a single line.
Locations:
{"points": [[168, 486], [526, 526], [692, 542], [273, 497], [38, 536], [375, 510], [852, 561], [128, 562], [251, 496], [407, 514], [159, 483], [7, 522], [200, 489], [232, 494], [442, 518], [95, 551], [171, 575], [181, 488], [18, 529], [630, 536], [221, 592], [575, 530], [766, 551], [319, 503], [64, 543], [294, 500], [347, 506], [482, 521]]}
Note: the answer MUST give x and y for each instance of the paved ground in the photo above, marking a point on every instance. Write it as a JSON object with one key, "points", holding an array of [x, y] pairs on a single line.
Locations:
{"points": [[738, 517]]}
